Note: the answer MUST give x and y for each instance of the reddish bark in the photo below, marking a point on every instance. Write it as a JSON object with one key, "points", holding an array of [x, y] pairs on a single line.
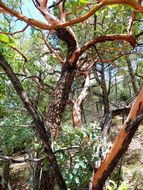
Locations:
{"points": [[121, 144]]}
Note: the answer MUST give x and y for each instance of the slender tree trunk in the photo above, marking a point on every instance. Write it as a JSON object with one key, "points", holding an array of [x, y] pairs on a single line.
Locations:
{"points": [[132, 76], [100, 78], [76, 112], [39, 125], [105, 101], [47, 181], [5, 174], [36, 175]]}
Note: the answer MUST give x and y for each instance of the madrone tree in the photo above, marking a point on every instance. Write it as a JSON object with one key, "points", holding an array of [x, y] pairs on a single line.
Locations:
{"points": [[60, 19]]}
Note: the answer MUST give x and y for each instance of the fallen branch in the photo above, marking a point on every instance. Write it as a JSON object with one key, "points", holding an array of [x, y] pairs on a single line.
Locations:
{"points": [[12, 160]]}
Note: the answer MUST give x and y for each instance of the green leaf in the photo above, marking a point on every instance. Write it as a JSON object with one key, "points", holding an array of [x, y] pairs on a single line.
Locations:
{"points": [[109, 188], [123, 186], [6, 39], [83, 1], [113, 6]]}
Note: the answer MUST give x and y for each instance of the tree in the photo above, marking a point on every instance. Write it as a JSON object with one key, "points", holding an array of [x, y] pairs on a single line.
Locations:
{"points": [[61, 21]]}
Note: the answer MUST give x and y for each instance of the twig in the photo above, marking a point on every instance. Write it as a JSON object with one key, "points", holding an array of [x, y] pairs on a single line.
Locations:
{"points": [[10, 159], [67, 148], [52, 50], [18, 51], [13, 33]]}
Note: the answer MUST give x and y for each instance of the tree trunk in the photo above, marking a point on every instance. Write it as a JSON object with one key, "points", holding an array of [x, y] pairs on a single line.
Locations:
{"points": [[121, 144], [105, 101], [5, 174], [39, 125], [76, 112], [59, 101], [100, 78], [36, 175], [132, 76], [47, 180]]}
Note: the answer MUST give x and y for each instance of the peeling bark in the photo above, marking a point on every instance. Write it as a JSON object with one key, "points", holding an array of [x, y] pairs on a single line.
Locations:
{"points": [[121, 144]]}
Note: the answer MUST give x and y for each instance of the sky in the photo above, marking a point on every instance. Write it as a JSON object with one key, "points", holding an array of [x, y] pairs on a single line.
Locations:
{"points": [[29, 10]]}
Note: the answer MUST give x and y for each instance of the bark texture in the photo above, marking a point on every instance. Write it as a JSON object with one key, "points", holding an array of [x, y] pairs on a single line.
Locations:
{"points": [[60, 96], [58, 102]]}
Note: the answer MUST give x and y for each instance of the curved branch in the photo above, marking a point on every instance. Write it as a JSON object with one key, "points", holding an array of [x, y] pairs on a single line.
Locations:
{"points": [[132, 19], [53, 51], [77, 120], [110, 37], [18, 51], [44, 26]]}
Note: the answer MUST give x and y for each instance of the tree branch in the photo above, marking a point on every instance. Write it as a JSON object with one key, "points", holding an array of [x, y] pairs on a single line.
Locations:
{"points": [[53, 51], [39, 125], [76, 112], [10, 159], [13, 33], [18, 51], [110, 37], [121, 144], [44, 26]]}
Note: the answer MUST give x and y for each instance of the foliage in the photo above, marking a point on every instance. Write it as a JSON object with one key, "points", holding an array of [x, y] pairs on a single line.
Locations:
{"points": [[14, 138], [74, 147], [113, 186]]}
